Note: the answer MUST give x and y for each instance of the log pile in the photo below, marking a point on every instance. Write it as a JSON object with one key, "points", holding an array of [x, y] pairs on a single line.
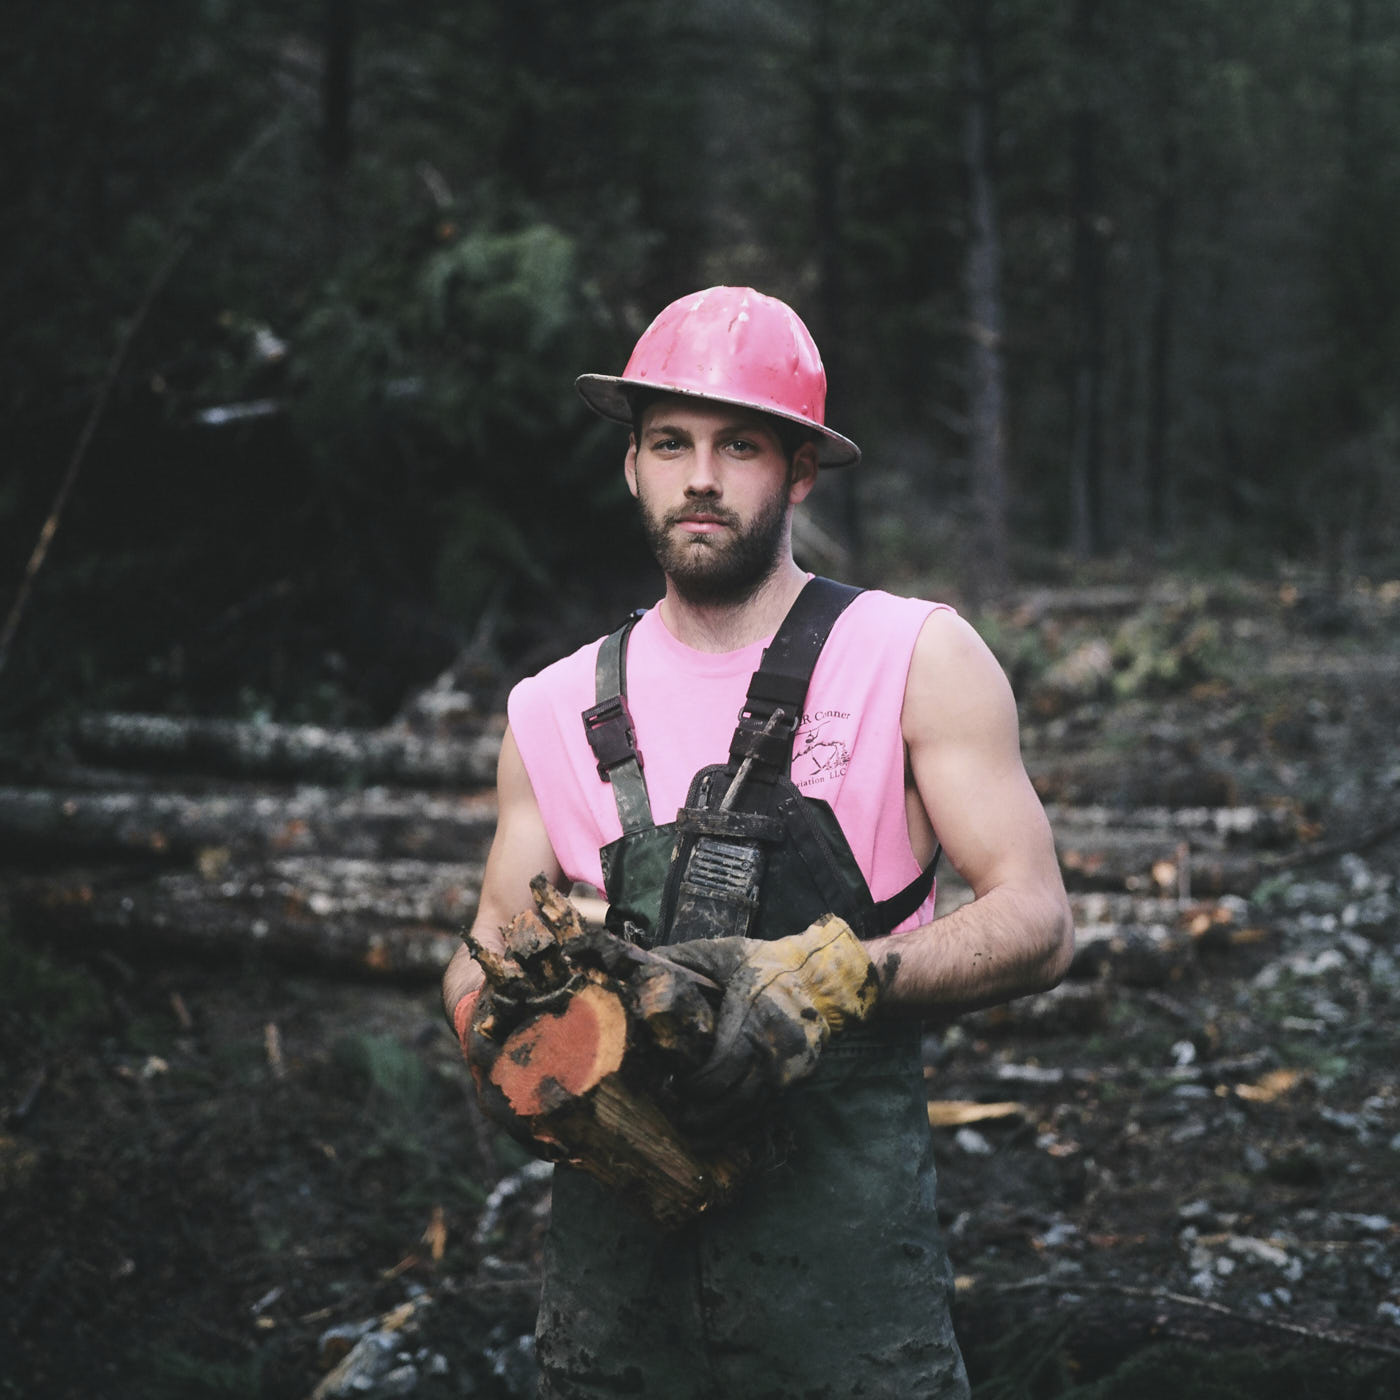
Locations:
{"points": [[346, 850], [363, 850]]}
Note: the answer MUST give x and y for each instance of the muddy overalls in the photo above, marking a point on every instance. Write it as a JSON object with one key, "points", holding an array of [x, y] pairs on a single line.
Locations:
{"points": [[827, 1275]]}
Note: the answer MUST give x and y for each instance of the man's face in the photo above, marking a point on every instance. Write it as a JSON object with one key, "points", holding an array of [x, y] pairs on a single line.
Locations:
{"points": [[715, 489]]}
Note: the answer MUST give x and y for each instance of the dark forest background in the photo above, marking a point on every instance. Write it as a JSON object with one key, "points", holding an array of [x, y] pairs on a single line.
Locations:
{"points": [[294, 294]]}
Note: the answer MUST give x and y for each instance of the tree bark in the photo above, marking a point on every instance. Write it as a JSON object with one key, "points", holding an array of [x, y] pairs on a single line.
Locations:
{"points": [[397, 919], [829, 221], [337, 84], [70, 822], [1086, 450], [1159, 370], [989, 563], [301, 752]]}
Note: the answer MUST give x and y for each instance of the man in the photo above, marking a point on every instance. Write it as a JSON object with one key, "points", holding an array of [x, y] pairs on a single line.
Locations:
{"points": [[827, 1275]]}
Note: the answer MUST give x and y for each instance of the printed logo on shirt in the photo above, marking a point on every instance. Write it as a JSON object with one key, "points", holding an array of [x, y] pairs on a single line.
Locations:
{"points": [[819, 751]]}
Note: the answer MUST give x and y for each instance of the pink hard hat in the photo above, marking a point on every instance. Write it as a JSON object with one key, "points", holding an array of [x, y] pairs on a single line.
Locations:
{"points": [[732, 345]]}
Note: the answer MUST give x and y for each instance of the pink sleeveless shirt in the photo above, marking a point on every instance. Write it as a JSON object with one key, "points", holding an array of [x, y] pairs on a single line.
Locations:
{"points": [[849, 750]]}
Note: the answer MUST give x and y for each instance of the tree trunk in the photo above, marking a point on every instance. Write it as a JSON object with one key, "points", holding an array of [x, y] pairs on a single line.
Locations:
{"points": [[337, 86], [829, 220], [1159, 369], [989, 573], [1086, 447]]}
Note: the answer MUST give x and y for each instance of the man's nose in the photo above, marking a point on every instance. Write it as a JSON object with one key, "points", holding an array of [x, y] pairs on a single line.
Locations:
{"points": [[701, 477]]}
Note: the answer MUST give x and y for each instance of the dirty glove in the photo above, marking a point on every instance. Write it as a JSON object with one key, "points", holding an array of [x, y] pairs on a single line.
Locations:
{"points": [[487, 1028], [783, 999]]}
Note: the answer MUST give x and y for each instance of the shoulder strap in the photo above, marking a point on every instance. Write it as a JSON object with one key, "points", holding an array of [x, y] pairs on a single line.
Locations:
{"points": [[608, 725], [892, 912], [779, 683], [782, 678]]}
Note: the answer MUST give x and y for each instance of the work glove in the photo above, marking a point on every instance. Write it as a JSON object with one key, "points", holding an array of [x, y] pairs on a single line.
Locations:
{"points": [[783, 999], [477, 1020]]}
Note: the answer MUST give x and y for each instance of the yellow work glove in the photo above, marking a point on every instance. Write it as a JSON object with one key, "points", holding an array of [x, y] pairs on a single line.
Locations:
{"points": [[783, 999]]}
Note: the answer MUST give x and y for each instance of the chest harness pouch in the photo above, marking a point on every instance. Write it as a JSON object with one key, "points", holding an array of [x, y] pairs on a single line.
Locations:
{"points": [[748, 854]]}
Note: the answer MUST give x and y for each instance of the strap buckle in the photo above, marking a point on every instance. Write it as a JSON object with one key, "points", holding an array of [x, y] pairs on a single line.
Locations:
{"points": [[758, 739], [611, 736]]}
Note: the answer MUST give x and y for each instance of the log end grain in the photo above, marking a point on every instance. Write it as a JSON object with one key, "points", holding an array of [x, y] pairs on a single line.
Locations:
{"points": [[562, 1056]]}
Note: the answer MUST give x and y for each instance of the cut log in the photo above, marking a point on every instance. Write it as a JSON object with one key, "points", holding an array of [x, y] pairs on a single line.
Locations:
{"points": [[1137, 955], [1152, 862], [397, 919], [1214, 827], [576, 1069], [53, 822], [303, 752], [556, 1057], [1142, 779], [1072, 1008]]}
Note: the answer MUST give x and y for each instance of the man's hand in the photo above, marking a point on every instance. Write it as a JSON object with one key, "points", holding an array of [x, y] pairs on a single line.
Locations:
{"points": [[483, 1019], [783, 999]]}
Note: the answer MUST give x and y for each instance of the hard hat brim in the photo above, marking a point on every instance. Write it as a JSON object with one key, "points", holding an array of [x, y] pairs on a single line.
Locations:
{"points": [[607, 395]]}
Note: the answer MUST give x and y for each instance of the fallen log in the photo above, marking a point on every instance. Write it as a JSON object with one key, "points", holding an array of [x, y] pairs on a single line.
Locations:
{"points": [[1146, 778], [375, 824], [1152, 861], [1092, 1327], [1253, 827], [397, 919], [585, 1034], [304, 752], [1072, 1008], [1136, 955]]}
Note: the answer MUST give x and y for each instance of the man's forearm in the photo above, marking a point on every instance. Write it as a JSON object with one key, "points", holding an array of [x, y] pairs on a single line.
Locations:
{"points": [[1005, 944]]}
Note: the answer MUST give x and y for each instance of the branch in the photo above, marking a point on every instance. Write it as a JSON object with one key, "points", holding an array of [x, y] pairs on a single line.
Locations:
{"points": [[1185, 1300], [1325, 850], [173, 257]]}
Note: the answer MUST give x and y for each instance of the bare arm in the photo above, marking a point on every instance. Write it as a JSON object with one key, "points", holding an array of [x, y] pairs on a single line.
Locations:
{"points": [[1017, 935], [520, 850]]}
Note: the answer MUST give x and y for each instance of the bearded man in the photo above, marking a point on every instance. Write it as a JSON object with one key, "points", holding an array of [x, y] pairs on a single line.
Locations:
{"points": [[872, 731]]}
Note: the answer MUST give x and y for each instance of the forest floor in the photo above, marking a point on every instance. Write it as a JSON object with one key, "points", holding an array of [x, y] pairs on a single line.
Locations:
{"points": [[1176, 1175]]}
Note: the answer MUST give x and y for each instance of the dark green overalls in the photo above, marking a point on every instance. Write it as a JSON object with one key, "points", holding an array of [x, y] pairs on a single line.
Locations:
{"points": [[827, 1276]]}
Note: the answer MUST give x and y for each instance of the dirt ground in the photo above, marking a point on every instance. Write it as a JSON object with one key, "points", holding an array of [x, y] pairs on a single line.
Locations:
{"points": [[225, 1180]]}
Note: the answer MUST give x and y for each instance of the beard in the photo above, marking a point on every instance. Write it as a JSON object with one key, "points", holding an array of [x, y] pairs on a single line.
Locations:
{"points": [[717, 569]]}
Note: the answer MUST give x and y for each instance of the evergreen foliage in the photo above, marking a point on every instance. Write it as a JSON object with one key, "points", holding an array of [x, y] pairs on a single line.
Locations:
{"points": [[350, 402]]}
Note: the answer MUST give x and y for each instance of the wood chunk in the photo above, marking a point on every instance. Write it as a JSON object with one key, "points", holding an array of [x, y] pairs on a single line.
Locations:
{"points": [[555, 910], [565, 1055], [533, 946], [588, 1028]]}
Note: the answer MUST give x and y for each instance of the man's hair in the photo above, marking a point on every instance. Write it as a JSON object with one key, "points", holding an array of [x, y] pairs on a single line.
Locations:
{"points": [[790, 435]]}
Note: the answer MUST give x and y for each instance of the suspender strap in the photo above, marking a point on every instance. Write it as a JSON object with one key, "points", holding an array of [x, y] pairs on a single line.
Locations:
{"points": [[782, 678], [608, 725], [892, 912]]}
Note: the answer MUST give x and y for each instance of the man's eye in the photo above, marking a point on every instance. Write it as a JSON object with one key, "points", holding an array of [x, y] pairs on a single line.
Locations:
{"points": [[665, 445], [743, 445]]}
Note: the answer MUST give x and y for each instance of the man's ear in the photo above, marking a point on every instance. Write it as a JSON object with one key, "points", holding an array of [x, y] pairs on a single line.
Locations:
{"points": [[629, 463], [803, 476]]}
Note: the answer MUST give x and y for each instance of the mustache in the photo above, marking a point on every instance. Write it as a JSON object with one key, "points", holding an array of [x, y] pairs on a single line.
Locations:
{"points": [[711, 510]]}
